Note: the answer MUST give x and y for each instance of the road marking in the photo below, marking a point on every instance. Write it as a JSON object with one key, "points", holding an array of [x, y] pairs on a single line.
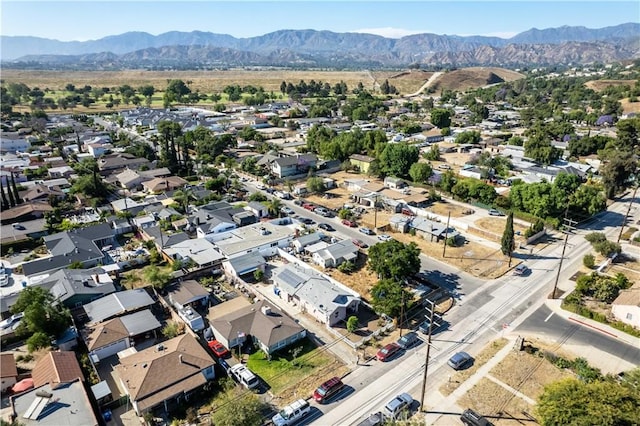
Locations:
{"points": [[549, 317]]}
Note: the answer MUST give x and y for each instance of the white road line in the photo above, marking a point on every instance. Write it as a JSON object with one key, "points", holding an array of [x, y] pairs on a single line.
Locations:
{"points": [[549, 317]]}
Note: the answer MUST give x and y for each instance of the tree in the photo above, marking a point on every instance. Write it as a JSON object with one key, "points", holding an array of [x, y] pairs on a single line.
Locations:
{"points": [[352, 324], [508, 238], [183, 197], [316, 185], [420, 172], [347, 267], [238, 408], [176, 91], [258, 275], [574, 402], [41, 313], [441, 117], [396, 159], [156, 277], [433, 154], [274, 206], [171, 329], [394, 260], [387, 297]]}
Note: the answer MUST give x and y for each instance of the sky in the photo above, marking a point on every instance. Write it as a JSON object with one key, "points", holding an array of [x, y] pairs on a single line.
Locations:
{"points": [[83, 20]]}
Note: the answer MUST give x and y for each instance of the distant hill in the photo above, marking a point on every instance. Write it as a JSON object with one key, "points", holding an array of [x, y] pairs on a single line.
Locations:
{"points": [[311, 48]]}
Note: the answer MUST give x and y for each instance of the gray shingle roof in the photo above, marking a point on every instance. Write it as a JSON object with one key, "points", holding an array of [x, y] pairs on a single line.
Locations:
{"points": [[117, 304]]}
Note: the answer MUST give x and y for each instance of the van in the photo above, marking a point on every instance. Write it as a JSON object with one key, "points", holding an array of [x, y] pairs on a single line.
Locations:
{"points": [[471, 418], [408, 340], [244, 376], [328, 389], [292, 413]]}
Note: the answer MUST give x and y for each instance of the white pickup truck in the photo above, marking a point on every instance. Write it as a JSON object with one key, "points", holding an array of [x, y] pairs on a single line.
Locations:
{"points": [[293, 412]]}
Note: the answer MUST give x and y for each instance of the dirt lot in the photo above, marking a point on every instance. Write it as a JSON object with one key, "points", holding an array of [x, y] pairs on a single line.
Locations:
{"points": [[443, 208], [361, 280], [493, 227]]}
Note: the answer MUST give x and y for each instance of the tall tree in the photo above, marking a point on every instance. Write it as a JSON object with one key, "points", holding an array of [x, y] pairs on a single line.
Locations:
{"points": [[441, 117], [388, 295], [12, 201], [14, 187], [5, 202], [394, 260], [508, 238]]}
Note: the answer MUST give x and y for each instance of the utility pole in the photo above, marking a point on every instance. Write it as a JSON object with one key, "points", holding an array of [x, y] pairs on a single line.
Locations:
{"points": [[568, 227], [446, 235], [401, 313], [426, 362], [624, 220]]}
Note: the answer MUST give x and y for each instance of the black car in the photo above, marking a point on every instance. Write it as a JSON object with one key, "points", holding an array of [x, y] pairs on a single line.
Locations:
{"points": [[326, 227], [307, 221], [298, 202]]}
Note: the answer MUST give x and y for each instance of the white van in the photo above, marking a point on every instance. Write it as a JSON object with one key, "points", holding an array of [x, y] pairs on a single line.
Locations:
{"points": [[293, 412], [244, 376]]}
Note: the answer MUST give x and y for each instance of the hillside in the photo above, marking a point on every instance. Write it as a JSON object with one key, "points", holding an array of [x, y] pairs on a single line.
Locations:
{"points": [[473, 78]]}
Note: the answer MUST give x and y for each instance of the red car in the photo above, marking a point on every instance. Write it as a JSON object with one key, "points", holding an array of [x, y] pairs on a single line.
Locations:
{"points": [[360, 244], [349, 223], [387, 352], [218, 349]]}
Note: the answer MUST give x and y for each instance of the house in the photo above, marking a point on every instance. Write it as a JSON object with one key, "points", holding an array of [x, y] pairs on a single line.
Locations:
{"points": [[335, 254], [214, 218], [258, 209], [165, 375], [76, 287], [107, 338], [244, 264], [164, 184], [25, 212], [471, 171], [8, 371], [626, 307], [423, 227], [114, 163], [60, 172], [188, 293], [56, 367], [306, 240], [317, 294], [161, 238], [394, 182], [83, 245], [196, 253], [361, 162], [54, 405], [117, 304], [264, 238], [130, 179], [268, 327], [293, 165], [41, 192]]}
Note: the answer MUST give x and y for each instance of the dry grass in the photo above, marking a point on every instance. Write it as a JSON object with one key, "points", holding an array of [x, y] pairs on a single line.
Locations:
{"points": [[485, 355], [527, 373], [205, 81], [443, 208], [599, 85], [408, 81], [493, 227], [472, 78], [492, 400], [305, 387], [629, 107], [360, 281]]}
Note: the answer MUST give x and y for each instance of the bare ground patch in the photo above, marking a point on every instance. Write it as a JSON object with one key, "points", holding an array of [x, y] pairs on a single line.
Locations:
{"points": [[494, 401], [443, 208], [485, 355], [492, 228]]}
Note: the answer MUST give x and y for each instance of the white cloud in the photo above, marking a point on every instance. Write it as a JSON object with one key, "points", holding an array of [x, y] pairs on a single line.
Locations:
{"points": [[388, 32]]}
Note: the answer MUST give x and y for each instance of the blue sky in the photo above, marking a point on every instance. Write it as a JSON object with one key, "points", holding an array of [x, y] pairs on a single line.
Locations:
{"points": [[89, 19]]}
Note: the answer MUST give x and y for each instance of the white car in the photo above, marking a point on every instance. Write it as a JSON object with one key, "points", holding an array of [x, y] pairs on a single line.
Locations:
{"points": [[4, 280], [12, 322], [384, 237], [397, 405]]}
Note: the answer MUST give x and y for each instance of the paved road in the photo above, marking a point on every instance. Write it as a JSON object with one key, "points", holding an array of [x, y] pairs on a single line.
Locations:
{"points": [[614, 354]]}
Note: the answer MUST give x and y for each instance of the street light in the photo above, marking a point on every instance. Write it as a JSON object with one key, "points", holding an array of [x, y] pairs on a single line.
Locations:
{"points": [[426, 362]]}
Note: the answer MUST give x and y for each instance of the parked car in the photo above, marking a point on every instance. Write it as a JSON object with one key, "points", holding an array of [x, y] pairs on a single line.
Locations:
{"points": [[360, 243], [471, 418], [387, 352], [444, 167], [4, 279], [218, 349], [349, 223], [293, 412], [424, 325], [12, 322], [521, 269], [287, 210], [384, 237], [244, 376], [374, 419], [408, 340], [460, 360], [309, 206], [307, 221], [18, 226], [408, 212], [494, 212], [298, 202], [326, 227], [366, 231], [328, 389], [397, 405]]}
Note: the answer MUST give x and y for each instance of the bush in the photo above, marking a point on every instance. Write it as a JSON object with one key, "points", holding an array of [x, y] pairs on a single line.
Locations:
{"points": [[347, 267], [37, 341], [589, 261]]}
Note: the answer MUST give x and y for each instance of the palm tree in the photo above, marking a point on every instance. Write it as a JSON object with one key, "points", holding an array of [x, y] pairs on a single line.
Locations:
{"points": [[274, 207], [182, 197]]}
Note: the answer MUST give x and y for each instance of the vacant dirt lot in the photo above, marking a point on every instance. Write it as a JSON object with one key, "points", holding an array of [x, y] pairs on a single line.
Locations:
{"points": [[493, 227], [443, 208]]}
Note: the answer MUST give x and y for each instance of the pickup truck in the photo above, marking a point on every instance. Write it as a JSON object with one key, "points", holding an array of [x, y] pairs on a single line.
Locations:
{"points": [[309, 206]]}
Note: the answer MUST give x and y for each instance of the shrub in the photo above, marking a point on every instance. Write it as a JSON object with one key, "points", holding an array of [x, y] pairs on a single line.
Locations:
{"points": [[589, 261], [347, 267]]}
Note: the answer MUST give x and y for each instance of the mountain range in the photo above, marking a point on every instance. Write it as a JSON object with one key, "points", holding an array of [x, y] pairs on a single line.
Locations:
{"points": [[312, 48]]}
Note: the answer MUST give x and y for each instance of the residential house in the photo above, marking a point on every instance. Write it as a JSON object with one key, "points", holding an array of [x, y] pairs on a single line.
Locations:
{"points": [[188, 293], [394, 182], [335, 254], [130, 179], [426, 228], [293, 165], [258, 209], [164, 184], [83, 245], [25, 212], [267, 326], [41, 193], [244, 264], [54, 405], [128, 205], [116, 304], [76, 287], [165, 375], [196, 253], [107, 338], [361, 162], [471, 171], [264, 238], [306, 240], [8, 371], [13, 142], [60, 172], [56, 367], [161, 238], [626, 307], [115, 163], [317, 294], [213, 218]]}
